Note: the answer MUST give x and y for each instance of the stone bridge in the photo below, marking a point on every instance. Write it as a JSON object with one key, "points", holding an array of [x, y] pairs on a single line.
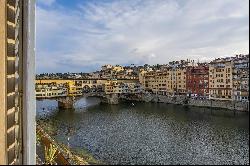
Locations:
{"points": [[67, 102]]}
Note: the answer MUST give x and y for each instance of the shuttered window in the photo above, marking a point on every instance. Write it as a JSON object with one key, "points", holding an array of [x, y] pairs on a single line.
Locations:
{"points": [[14, 52]]}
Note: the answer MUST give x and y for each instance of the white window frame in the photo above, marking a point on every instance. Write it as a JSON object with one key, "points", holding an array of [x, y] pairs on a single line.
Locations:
{"points": [[29, 99]]}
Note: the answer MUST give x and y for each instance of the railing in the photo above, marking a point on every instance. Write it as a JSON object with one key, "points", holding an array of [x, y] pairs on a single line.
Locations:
{"points": [[46, 141]]}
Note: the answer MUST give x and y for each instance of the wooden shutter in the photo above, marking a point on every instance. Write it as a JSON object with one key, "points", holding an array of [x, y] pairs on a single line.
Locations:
{"points": [[14, 59]]}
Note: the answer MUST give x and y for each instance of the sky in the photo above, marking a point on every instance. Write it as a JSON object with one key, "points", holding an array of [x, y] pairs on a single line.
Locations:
{"points": [[83, 35]]}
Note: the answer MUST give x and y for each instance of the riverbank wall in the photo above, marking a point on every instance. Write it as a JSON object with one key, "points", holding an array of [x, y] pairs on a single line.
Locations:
{"points": [[183, 100]]}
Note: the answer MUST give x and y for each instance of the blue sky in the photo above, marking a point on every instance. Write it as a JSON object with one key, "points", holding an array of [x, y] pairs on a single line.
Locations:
{"points": [[82, 35]]}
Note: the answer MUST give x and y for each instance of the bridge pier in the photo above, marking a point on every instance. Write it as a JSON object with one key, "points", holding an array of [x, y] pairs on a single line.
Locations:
{"points": [[110, 99], [66, 102]]}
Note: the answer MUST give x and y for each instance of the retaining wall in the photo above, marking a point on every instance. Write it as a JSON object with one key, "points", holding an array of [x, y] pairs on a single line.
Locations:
{"points": [[183, 100]]}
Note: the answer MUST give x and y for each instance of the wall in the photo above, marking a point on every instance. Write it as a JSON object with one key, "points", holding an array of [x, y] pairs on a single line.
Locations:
{"points": [[231, 105], [183, 100], [110, 99]]}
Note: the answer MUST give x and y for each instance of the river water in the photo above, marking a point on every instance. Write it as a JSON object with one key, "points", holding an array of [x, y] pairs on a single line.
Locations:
{"points": [[151, 133]]}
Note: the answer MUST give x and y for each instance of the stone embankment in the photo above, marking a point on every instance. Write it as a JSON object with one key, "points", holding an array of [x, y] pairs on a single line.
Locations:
{"points": [[110, 99], [181, 100]]}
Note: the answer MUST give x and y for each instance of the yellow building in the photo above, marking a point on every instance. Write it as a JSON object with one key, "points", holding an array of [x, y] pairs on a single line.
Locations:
{"points": [[155, 81], [111, 87], [220, 79], [176, 80], [149, 82], [142, 76], [117, 68], [161, 83], [83, 85], [170, 81], [73, 89], [181, 80], [51, 81]]}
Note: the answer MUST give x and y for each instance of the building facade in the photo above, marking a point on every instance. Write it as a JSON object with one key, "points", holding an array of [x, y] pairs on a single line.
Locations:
{"points": [[74, 89], [115, 87], [106, 67], [161, 83], [241, 78], [111, 87], [50, 91], [220, 79], [176, 80], [149, 82], [197, 81]]}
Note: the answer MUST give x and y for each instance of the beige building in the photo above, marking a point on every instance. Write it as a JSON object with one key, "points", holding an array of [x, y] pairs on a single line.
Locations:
{"points": [[148, 82], [50, 91], [116, 87], [160, 83], [154, 81], [111, 87], [106, 67], [117, 68], [17, 77], [171, 80], [220, 79], [176, 80], [142, 76], [181, 80], [133, 88]]}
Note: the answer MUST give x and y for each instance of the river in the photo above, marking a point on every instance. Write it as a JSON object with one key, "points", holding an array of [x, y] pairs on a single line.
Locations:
{"points": [[151, 133]]}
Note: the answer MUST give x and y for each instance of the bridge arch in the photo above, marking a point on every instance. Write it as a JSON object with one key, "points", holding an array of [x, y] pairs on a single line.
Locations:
{"points": [[85, 87]]}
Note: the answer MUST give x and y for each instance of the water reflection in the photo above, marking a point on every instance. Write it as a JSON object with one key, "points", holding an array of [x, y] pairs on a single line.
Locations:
{"points": [[150, 133]]}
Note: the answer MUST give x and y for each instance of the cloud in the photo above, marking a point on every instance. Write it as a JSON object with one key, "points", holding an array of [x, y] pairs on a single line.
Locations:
{"points": [[139, 31], [45, 2]]}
